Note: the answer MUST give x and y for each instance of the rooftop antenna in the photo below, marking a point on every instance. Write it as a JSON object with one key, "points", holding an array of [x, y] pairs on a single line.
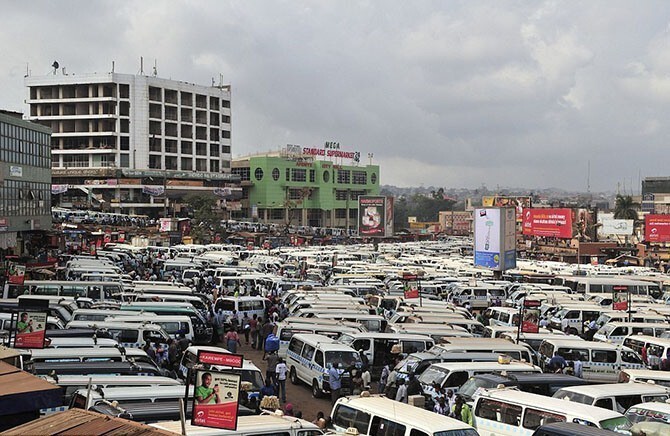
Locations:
{"points": [[212, 82], [27, 70], [141, 66], [220, 80], [55, 66], [112, 66], [155, 73], [588, 178]]}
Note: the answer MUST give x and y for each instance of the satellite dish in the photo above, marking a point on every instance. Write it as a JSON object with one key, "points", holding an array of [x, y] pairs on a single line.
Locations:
{"points": [[55, 65]]}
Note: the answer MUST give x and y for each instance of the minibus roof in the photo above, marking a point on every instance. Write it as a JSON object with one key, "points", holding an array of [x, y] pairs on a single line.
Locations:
{"points": [[487, 366], [562, 342], [256, 424], [513, 396], [606, 390]]}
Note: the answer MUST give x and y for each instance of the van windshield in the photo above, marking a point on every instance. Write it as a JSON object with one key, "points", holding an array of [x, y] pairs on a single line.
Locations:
{"points": [[346, 358], [616, 424], [469, 388], [433, 375]]}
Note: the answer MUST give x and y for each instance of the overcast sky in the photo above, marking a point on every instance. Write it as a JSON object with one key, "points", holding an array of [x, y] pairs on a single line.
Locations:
{"points": [[444, 93]]}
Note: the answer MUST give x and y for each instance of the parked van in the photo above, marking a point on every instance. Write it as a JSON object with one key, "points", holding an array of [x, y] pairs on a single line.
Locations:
{"points": [[128, 335], [512, 412], [618, 396], [100, 315], [248, 373], [309, 357], [520, 352], [657, 350], [249, 305], [479, 297], [574, 317], [202, 329], [380, 348], [601, 362], [93, 367], [542, 384], [435, 331], [373, 323], [660, 378], [82, 399], [174, 326], [502, 316], [417, 363], [285, 332], [81, 343], [254, 425], [377, 415], [452, 375], [616, 332], [570, 429], [649, 418]]}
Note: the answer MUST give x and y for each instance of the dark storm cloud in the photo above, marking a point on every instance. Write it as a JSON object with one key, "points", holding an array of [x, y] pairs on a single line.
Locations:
{"points": [[512, 93]]}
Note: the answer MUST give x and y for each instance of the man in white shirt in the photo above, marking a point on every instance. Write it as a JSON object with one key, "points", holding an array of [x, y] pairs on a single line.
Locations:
{"points": [[401, 395], [281, 371], [367, 378]]}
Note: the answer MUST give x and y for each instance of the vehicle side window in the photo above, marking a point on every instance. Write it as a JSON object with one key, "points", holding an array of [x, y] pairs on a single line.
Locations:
{"points": [[625, 402], [630, 357], [415, 432], [385, 427], [573, 314], [410, 347], [603, 356], [605, 403], [189, 360], [535, 418], [308, 352], [621, 331], [361, 344], [124, 335], [319, 359], [295, 346], [347, 417], [456, 378]]}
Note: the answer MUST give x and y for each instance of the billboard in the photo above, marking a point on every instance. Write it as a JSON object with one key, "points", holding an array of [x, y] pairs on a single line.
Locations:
{"points": [[372, 216], [615, 227], [215, 399], [31, 329], [389, 216], [495, 238], [657, 228], [518, 203], [16, 273], [553, 223]]}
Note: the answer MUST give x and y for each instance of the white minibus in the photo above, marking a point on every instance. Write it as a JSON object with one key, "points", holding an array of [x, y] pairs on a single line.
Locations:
{"points": [[616, 332], [618, 396]]}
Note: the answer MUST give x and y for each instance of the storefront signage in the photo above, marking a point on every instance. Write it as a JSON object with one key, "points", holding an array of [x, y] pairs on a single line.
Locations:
{"points": [[329, 152], [153, 191], [221, 359], [59, 189], [554, 223], [15, 171], [4, 224], [657, 228]]}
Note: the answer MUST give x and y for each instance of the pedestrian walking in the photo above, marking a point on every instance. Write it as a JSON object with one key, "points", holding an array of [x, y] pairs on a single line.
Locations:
{"points": [[253, 330], [232, 340], [246, 327], [271, 371], [335, 382], [281, 372]]}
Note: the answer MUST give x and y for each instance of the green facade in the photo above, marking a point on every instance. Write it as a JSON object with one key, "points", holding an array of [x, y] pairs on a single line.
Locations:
{"points": [[313, 192]]}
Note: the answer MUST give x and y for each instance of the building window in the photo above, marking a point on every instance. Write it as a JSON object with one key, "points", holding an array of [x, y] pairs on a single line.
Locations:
{"points": [[201, 164], [258, 174], [295, 194], [275, 174], [340, 194], [186, 147], [298, 175], [244, 173], [154, 162], [360, 177], [340, 213], [343, 177], [125, 160], [288, 174], [214, 166], [214, 150], [170, 162], [326, 176], [276, 214], [373, 178], [312, 176], [186, 164], [353, 213]]}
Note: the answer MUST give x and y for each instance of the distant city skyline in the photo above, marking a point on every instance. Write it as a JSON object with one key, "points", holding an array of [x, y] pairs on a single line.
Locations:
{"points": [[452, 94]]}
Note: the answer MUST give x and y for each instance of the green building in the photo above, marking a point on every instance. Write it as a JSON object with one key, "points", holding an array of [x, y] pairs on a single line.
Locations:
{"points": [[298, 189]]}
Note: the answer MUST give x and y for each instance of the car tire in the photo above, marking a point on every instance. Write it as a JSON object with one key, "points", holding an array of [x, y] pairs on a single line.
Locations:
{"points": [[294, 376], [316, 391]]}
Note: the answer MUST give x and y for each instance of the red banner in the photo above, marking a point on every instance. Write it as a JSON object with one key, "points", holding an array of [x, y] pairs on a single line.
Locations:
{"points": [[620, 301], [220, 358], [216, 400], [657, 228], [16, 273], [31, 329], [554, 223], [414, 293]]}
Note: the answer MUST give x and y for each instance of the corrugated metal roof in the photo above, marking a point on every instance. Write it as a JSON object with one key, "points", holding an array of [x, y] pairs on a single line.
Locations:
{"points": [[83, 422], [22, 392]]}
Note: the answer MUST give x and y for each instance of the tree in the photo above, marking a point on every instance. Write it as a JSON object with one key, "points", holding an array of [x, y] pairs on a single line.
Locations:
{"points": [[625, 208], [206, 217]]}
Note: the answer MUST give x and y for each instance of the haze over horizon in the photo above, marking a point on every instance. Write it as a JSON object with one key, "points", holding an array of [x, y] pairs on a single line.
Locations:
{"points": [[454, 94]]}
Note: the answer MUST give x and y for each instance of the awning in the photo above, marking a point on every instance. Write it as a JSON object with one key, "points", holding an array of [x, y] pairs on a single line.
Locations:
{"points": [[21, 392]]}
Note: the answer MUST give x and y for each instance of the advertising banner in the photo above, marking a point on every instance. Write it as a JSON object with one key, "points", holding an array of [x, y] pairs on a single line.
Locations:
{"points": [[372, 216], [615, 227], [59, 189], [657, 228], [411, 289], [165, 224], [553, 223], [215, 399], [487, 238], [222, 359], [389, 216], [31, 329], [518, 203], [620, 301], [154, 191], [16, 273], [531, 316]]}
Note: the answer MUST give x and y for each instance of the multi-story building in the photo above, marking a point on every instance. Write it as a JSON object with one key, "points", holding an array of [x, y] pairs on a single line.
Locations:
{"points": [[132, 143], [297, 189], [656, 195], [25, 183]]}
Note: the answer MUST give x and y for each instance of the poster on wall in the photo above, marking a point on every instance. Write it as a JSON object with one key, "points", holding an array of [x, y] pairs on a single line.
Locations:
{"points": [[216, 399], [371, 216], [657, 228], [553, 223], [31, 329]]}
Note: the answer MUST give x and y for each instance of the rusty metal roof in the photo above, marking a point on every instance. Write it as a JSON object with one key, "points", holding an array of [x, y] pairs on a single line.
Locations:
{"points": [[23, 392], [83, 422]]}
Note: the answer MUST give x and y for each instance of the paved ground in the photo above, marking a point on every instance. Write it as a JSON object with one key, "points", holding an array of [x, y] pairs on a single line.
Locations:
{"points": [[300, 396]]}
